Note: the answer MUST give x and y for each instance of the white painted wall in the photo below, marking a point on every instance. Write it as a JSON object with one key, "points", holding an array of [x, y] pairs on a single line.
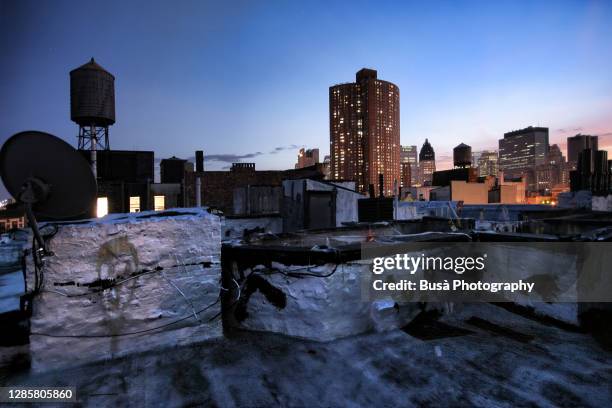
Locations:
{"points": [[116, 247]]}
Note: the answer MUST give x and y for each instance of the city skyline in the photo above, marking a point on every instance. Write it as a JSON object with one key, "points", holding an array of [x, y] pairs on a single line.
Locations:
{"points": [[220, 79]]}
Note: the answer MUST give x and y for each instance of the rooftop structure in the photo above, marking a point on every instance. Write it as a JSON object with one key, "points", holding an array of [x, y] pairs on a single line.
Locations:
{"points": [[92, 105], [462, 155]]}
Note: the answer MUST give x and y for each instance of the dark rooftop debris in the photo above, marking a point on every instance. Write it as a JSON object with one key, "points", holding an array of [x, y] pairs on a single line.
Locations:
{"points": [[497, 330], [426, 326]]}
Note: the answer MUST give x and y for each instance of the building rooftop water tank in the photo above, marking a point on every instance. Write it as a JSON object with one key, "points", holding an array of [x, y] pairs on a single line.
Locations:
{"points": [[92, 95], [462, 155]]}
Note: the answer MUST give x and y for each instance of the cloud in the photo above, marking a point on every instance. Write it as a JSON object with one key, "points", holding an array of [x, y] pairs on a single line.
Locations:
{"points": [[570, 130], [444, 162], [226, 157], [281, 148], [231, 158]]}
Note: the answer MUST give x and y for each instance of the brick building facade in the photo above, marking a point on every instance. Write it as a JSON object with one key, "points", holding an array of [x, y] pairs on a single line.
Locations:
{"points": [[217, 187]]}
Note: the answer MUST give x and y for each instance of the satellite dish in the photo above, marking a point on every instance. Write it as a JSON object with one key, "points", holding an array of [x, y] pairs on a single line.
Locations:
{"points": [[48, 176], [60, 181]]}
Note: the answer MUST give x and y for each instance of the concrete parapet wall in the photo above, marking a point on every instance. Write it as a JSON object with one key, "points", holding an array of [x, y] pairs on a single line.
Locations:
{"points": [[123, 274], [238, 227], [308, 307], [602, 203]]}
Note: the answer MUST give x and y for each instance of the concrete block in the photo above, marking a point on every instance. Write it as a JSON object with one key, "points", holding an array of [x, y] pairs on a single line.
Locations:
{"points": [[313, 308], [126, 273]]}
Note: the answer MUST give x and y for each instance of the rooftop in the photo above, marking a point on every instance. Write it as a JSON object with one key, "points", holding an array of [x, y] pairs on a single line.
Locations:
{"points": [[481, 355]]}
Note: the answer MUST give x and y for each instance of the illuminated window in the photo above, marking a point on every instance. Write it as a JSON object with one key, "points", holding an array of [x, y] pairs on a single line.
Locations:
{"points": [[135, 204], [102, 207], [159, 203]]}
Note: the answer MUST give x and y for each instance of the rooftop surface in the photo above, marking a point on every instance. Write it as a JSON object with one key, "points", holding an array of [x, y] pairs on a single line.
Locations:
{"points": [[481, 356]]}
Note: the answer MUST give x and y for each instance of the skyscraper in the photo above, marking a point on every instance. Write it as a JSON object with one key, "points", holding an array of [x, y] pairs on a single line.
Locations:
{"points": [[406, 181], [427, 164], [487, 163], [408, 154], [365, 131], [307, 158], [576, 144], [553, 175], [520, 151], [593, 172]]}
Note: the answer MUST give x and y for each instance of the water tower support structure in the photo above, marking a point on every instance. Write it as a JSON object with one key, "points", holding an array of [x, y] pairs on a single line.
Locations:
{"points": [[93, 138]]}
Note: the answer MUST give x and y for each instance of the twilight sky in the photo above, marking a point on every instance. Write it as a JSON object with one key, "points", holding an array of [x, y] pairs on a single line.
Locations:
{"points": [[249, 80]]}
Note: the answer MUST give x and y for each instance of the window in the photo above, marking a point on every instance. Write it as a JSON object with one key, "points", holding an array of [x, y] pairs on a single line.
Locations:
{"points": [[159, 203], [134, 204], [102, 207]]}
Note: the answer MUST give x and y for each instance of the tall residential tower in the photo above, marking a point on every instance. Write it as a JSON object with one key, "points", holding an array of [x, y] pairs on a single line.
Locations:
{"points": [[364, 127]]}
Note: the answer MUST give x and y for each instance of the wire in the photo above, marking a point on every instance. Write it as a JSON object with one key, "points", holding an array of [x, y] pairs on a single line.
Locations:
{"points": [[195, 315], [120, 282], [308, 272], [237, 287], [38, 256], [235, 300], [134, 332]]}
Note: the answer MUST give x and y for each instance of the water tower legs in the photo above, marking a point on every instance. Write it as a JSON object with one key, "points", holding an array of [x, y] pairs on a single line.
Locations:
{"points": [[93, 138]]}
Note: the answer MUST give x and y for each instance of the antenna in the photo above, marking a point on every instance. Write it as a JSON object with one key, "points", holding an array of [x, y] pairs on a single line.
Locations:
{"points": [[48, 176]]}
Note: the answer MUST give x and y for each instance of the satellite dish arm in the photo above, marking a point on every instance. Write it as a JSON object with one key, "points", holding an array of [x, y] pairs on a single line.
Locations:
{"points": [[32, 191], [34, 225]]}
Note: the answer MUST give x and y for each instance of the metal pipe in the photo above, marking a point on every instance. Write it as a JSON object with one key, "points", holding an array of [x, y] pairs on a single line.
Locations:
{"points": [[198, 191]]}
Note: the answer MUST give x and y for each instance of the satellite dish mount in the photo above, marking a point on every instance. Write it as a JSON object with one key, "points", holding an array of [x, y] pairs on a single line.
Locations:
{"points": [[35, 190]]}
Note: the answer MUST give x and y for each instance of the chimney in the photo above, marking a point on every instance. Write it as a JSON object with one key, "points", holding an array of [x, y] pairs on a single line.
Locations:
{"points": [[199, 157], [371, 191], [198, 191], [500, 177]]}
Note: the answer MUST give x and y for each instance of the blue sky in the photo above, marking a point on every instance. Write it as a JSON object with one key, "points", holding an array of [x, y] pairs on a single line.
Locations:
{"points": [[249, 80]]}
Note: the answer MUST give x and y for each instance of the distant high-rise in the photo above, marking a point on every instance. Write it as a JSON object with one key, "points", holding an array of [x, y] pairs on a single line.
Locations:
{"points": [[593, 172], [364, 125], [475, 156], [307, 158], [408, 154], [487, 163], [554, 155], [554, 173], [576, 144], [406, 181], [427, 164], [521, 151]]}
